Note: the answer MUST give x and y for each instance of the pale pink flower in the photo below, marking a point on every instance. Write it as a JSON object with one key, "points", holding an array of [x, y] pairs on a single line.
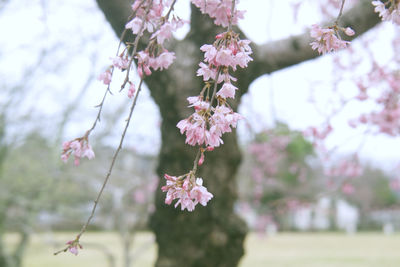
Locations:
{"points": [[164, 33], [199, 193], [242, 59], [326, 40], [79, 148], [163, 61], [135, 25], [219, 10], [210, 53], [206, 71], [198, 103], [143, 64], [225, 57], [201, 159], [227, 90], [73, 246], [349, 31], [131, 91], [187, 190], [390, 13], [120, 62], [105, 77]]}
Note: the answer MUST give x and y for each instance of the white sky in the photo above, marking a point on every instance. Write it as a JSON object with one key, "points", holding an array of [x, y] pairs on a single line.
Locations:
{"points": [[72, 60]]}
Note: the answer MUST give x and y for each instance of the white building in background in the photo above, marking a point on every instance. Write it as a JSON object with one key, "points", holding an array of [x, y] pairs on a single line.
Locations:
{"points": [[318, 216]]}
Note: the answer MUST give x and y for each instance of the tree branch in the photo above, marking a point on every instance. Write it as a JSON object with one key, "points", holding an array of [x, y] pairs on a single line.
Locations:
{"points": [[284, 53], [269, 57]]}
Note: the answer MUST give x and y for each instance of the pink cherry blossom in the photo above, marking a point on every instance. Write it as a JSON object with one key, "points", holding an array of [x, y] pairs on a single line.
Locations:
{"points": [[349, 31], [73, 246], [198, 103], [105, 77], [206, 71], [188, 190], [164, 33], [225, 57], [388, 11], [79, 148], [219, 10], [326, 40], [163, 61], [135, 25], [227, 90], [201, 159], [121, 62], [131, 91]]}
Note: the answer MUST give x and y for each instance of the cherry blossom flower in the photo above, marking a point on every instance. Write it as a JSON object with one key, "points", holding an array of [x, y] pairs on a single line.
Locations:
{"points": [[73, 246], [187, 189], [219, 10], [349, 31], [227, 90], [79, 148], [327, 39], [135, 25], [163, 61], [105, 77], [207, 72], [211, 118], [165, 31], [131, 91], [388, 13], [121, 62]]}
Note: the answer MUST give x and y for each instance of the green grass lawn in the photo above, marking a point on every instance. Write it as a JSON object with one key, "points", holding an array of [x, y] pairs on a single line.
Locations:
{"points": [[282, 250]]}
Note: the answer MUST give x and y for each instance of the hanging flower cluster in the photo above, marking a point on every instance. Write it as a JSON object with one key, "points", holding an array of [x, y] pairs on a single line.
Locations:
{"points": [[328, 39], [152, 17], [74, 246], [385, 92], [155, 55], [155, 19], [212, 115], [388, 11], [220, 11], [188, 189], [79, 148]]}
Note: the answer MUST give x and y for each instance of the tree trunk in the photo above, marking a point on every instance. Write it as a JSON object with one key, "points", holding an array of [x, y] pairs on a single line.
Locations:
{"points": [[208, 236]]}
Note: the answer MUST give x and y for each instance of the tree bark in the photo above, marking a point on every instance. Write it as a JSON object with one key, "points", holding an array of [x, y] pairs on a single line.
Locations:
{"points": [[212, 235]]}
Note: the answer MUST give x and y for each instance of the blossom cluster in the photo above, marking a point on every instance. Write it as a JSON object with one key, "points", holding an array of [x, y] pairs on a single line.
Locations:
{"points": [[79, 148], [385, 118], [155, 55], [220, 11], [151, 17], [388, 11], [328, 39], [187, 189], [208, 123], [212, 115]]}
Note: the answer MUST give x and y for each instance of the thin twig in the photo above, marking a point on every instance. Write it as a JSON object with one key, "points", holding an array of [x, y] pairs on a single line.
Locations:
{"points": [[135, 45], [232, 14], [340, 12], [84, 227], [196, 161]]}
